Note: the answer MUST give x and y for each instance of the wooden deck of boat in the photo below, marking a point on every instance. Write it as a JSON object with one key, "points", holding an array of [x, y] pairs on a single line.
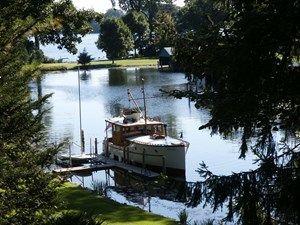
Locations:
{"points": [[107, 163]]}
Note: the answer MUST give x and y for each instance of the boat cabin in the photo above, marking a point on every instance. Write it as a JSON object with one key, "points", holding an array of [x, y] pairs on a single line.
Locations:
{"points": [[129, 126]]}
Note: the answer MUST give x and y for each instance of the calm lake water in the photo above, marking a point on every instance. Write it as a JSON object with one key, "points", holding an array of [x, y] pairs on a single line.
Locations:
{"points": [[104, 92], [88, 42]]}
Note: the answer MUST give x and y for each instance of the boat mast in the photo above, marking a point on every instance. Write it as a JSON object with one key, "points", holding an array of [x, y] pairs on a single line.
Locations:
{"points": [[130, 98], [80, 123], [145, 108]]}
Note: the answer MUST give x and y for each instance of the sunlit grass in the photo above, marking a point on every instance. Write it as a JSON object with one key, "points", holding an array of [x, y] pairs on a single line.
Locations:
{"points": [[77, 198], [140, 62]]}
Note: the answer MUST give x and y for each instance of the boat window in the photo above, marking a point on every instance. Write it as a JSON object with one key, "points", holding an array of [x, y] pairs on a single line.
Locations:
{"points": [[132, 128], [159, 128]]}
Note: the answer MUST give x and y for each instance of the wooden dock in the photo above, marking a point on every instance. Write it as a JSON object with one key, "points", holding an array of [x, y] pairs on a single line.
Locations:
{"points": [[104, 163], [78, 169]]}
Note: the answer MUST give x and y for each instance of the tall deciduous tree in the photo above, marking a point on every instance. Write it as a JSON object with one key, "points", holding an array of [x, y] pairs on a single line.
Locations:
{"points": [[164, 30], [139, 27], [150, 9], [115, 39], [64, 26]]}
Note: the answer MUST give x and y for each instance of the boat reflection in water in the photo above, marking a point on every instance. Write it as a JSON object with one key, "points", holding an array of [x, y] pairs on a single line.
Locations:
{"points": [[137, 190]]}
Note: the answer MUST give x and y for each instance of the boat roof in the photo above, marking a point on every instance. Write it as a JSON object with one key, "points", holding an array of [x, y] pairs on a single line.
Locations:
{"points": [[119, 121], [147, 140]]}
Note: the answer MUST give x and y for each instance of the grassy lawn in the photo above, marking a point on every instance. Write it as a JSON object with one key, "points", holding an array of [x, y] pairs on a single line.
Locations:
{"points": [[114, 213], [140, 62]]}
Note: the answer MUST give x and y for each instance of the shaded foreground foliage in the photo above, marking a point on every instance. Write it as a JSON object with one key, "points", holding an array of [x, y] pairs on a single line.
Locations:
{"points": [[245, 51], [27, 192]]}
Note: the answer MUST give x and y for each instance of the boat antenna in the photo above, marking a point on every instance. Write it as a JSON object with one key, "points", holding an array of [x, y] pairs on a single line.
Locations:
{"points": [[144, 99], [131, 98], [80, 123]]}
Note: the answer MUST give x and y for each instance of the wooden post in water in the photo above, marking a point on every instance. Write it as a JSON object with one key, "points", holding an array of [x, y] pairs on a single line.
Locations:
{"points": [[144, 159], [128, 160], [96, 146], [90, 146], [124, 155], [82, 142], [70, 156]]}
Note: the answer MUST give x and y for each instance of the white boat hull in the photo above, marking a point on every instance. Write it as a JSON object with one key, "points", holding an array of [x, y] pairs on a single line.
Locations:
{"points": [[157, 157]]}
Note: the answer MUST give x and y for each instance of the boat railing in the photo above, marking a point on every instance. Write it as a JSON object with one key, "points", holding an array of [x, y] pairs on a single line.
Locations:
{"points": [[137, 153], [186, 143]]}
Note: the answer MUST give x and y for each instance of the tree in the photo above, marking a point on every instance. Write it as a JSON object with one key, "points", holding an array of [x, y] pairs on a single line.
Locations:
{"points": [[149, 8], [27, 192], [84, 58], [113, 14], [245, 53], [115, 39], [139, 27], [164, 31]]}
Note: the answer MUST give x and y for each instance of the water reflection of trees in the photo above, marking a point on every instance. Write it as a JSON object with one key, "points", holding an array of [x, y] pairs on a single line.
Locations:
{"points": [[85, 75]]}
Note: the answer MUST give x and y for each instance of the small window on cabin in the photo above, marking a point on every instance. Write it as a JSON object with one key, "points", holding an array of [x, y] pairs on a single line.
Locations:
{"points": [[159, 128], [117, 128], [132, 128]]}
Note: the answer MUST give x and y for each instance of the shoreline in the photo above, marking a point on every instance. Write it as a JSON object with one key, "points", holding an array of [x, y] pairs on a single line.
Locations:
{"points": [[103, 64], [84, 200]]}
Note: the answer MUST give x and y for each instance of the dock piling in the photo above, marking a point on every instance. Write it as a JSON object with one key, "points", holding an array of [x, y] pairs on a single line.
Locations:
{"points": [[164, 165], [70, 156], [96, 146]]}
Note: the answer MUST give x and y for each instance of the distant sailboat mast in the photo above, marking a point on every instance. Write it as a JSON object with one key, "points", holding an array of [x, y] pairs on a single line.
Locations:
{"points": [[80, 123]]}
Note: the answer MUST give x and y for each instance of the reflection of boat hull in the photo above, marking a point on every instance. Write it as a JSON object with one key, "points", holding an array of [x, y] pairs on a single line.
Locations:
{"points": [[170, 159], [131, 185]]}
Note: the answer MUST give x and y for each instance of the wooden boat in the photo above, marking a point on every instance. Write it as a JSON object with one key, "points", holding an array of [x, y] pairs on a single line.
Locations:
{"points": [[137, 140]]}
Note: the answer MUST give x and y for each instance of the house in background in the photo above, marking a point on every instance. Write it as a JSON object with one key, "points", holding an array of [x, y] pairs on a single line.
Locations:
{"points": [[165, 58]]}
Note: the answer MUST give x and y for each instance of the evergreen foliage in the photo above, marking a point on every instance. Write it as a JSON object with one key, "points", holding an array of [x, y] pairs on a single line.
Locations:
{"points": [[84, 58], [27, 192], [245, 50]]}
